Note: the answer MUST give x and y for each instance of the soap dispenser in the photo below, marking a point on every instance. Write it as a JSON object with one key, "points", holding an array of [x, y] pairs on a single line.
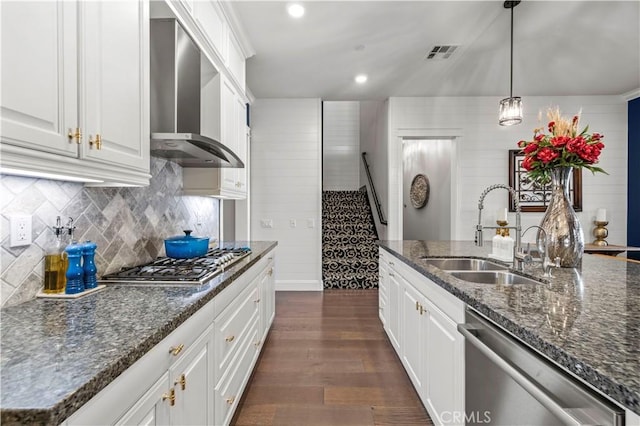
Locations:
{"points": [[55, 262]]}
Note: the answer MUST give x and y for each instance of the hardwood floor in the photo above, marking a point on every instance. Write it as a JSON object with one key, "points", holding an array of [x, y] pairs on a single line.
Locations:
{"points": [[328, 362]]}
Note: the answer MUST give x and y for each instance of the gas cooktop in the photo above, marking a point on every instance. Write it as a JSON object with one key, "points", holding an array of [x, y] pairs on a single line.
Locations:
{"points": [[166, 270]]}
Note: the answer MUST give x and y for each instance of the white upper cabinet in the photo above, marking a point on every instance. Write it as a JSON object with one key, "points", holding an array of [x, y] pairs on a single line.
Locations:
{"points": [[211, 21], [223, 117], [114, 90], [236, 61], [75, 91], [39, 75]]}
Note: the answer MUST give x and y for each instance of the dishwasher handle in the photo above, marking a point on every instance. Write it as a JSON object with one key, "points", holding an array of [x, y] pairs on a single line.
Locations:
{"points": [[527, 383]]}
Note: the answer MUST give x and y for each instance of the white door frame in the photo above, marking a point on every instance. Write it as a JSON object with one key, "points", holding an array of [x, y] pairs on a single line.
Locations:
{"points": [[394, 207]]}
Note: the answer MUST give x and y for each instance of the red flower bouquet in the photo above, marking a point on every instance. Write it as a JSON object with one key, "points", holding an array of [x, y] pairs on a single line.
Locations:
{"points": [[562, 146]]}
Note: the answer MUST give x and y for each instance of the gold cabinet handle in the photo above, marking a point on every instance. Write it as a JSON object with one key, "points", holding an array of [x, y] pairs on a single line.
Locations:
{"points": [[175, 350], [270, 272], [391, 275], [257, 301], [421, 310], [230, 339], [256, 344], [97, 142], [417, 304], [238, 184], [231, 400], [182, 381], [171, 396], [77, 135]]}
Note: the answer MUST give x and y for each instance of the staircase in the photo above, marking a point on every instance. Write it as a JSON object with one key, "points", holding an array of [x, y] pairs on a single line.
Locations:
{"points": [[349, 251]]}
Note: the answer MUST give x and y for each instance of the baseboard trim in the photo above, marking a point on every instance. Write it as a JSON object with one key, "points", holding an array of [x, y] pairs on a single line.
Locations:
{"points": [[299, 285]]}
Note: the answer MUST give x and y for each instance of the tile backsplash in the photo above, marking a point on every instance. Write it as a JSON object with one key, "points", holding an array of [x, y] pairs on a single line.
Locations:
{"points": [[128, 224]]}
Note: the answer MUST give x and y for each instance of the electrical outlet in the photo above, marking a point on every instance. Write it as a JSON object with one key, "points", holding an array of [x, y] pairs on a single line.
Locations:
{"points": [[266, 223], [20, 230]]}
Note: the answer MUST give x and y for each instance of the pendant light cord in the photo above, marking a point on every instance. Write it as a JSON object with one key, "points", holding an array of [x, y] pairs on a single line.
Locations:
{"points": [[511, 59]]}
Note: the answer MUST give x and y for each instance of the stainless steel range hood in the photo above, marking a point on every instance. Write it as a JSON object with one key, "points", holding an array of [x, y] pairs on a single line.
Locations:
{"points": [[175, 101]]}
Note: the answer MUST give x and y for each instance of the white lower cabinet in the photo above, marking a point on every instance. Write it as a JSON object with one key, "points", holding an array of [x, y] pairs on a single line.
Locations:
{"points": [[422, 327], [197, 374]]}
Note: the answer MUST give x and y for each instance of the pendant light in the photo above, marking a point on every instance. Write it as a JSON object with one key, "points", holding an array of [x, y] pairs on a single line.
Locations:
{"points": [[511, 107]]}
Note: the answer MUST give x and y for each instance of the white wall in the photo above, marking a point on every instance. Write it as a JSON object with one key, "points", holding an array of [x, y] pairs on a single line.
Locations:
{"points": [[483, 154], [286, 186], [340, 146], [373, 140]]}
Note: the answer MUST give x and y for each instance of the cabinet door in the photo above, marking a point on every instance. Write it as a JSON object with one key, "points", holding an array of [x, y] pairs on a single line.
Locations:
{"points": [[414, 334], [210, 19], [229, 131], [241, 131], [192, 379], [114, 92], [444, 362], [395, 293], [153, 408], [383, 289], [39, 75]]}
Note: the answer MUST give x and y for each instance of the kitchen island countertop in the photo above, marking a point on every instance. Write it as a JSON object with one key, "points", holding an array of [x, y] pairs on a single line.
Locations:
{"points": [[58, 354], [586, 320]]}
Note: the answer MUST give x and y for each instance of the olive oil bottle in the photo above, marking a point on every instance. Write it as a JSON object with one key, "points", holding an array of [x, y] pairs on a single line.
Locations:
{"points": [[55, 262]]}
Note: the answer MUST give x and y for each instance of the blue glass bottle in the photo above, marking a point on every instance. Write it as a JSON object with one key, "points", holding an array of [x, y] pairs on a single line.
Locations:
{"points": [[88, 265], [75, 273]]}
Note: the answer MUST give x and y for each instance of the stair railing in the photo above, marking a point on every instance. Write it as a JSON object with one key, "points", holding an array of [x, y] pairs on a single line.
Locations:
{"points": [[376, 200]]}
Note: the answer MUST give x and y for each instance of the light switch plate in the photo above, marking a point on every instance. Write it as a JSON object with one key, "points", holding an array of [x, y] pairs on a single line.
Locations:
{"points": [[20, 230]]}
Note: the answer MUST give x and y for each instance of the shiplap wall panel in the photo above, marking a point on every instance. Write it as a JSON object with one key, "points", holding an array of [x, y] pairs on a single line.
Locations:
{"points": [[483, 154], [340, 146], [286, 185]]}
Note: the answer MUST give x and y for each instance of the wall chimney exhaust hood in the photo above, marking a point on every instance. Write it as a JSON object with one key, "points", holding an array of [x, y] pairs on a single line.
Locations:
{"points": [[175, 101]]}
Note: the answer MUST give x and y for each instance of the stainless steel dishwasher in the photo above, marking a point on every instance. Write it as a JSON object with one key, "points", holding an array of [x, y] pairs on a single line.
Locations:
{"points": [[508, 384]]}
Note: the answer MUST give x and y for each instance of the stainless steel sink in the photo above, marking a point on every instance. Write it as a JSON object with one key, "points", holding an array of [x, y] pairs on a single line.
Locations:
{"points": [[464, 264], [493, 277]]}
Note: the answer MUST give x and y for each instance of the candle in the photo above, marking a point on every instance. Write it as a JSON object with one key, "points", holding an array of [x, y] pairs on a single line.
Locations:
{"points": [[601, 215], [502, 214]]}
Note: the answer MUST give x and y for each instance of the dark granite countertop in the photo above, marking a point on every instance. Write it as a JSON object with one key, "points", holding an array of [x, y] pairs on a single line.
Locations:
{"points": [[586, 320], [57, 354]]}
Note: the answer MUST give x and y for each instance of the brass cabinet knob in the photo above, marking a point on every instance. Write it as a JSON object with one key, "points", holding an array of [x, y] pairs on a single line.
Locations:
{"points": [[257, 301], [175, 350], [97, 142], [77, 135], [182, 381], [171, 396], [230, 339], [230, 400], [270, 272]]}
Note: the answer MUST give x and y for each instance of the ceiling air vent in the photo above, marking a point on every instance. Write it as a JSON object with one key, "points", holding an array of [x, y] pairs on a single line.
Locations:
{"points": [[441, 52]]}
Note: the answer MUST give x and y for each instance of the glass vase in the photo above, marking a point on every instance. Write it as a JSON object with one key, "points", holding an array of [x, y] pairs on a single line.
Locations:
{"points": [[565, 239]]}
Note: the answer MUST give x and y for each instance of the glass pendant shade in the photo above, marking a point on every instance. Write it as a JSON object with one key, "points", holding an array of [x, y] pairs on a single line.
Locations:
{"points": [[510, 111]]}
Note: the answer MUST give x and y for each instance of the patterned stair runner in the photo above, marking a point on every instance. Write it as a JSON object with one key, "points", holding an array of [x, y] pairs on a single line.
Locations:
{"points": [[349, 251]]}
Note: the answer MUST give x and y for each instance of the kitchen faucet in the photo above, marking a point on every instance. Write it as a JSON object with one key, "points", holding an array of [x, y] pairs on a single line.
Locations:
{"points": [[518, 226], [521, 257]]}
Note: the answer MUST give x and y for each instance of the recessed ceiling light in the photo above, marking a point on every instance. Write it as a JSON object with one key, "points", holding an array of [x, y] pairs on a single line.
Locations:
{"points": [[295, 10], [361, 78]]}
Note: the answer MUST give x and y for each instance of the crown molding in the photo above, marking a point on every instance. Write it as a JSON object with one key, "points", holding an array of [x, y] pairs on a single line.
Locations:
{"points": [[629, 96], [237, 28]]}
